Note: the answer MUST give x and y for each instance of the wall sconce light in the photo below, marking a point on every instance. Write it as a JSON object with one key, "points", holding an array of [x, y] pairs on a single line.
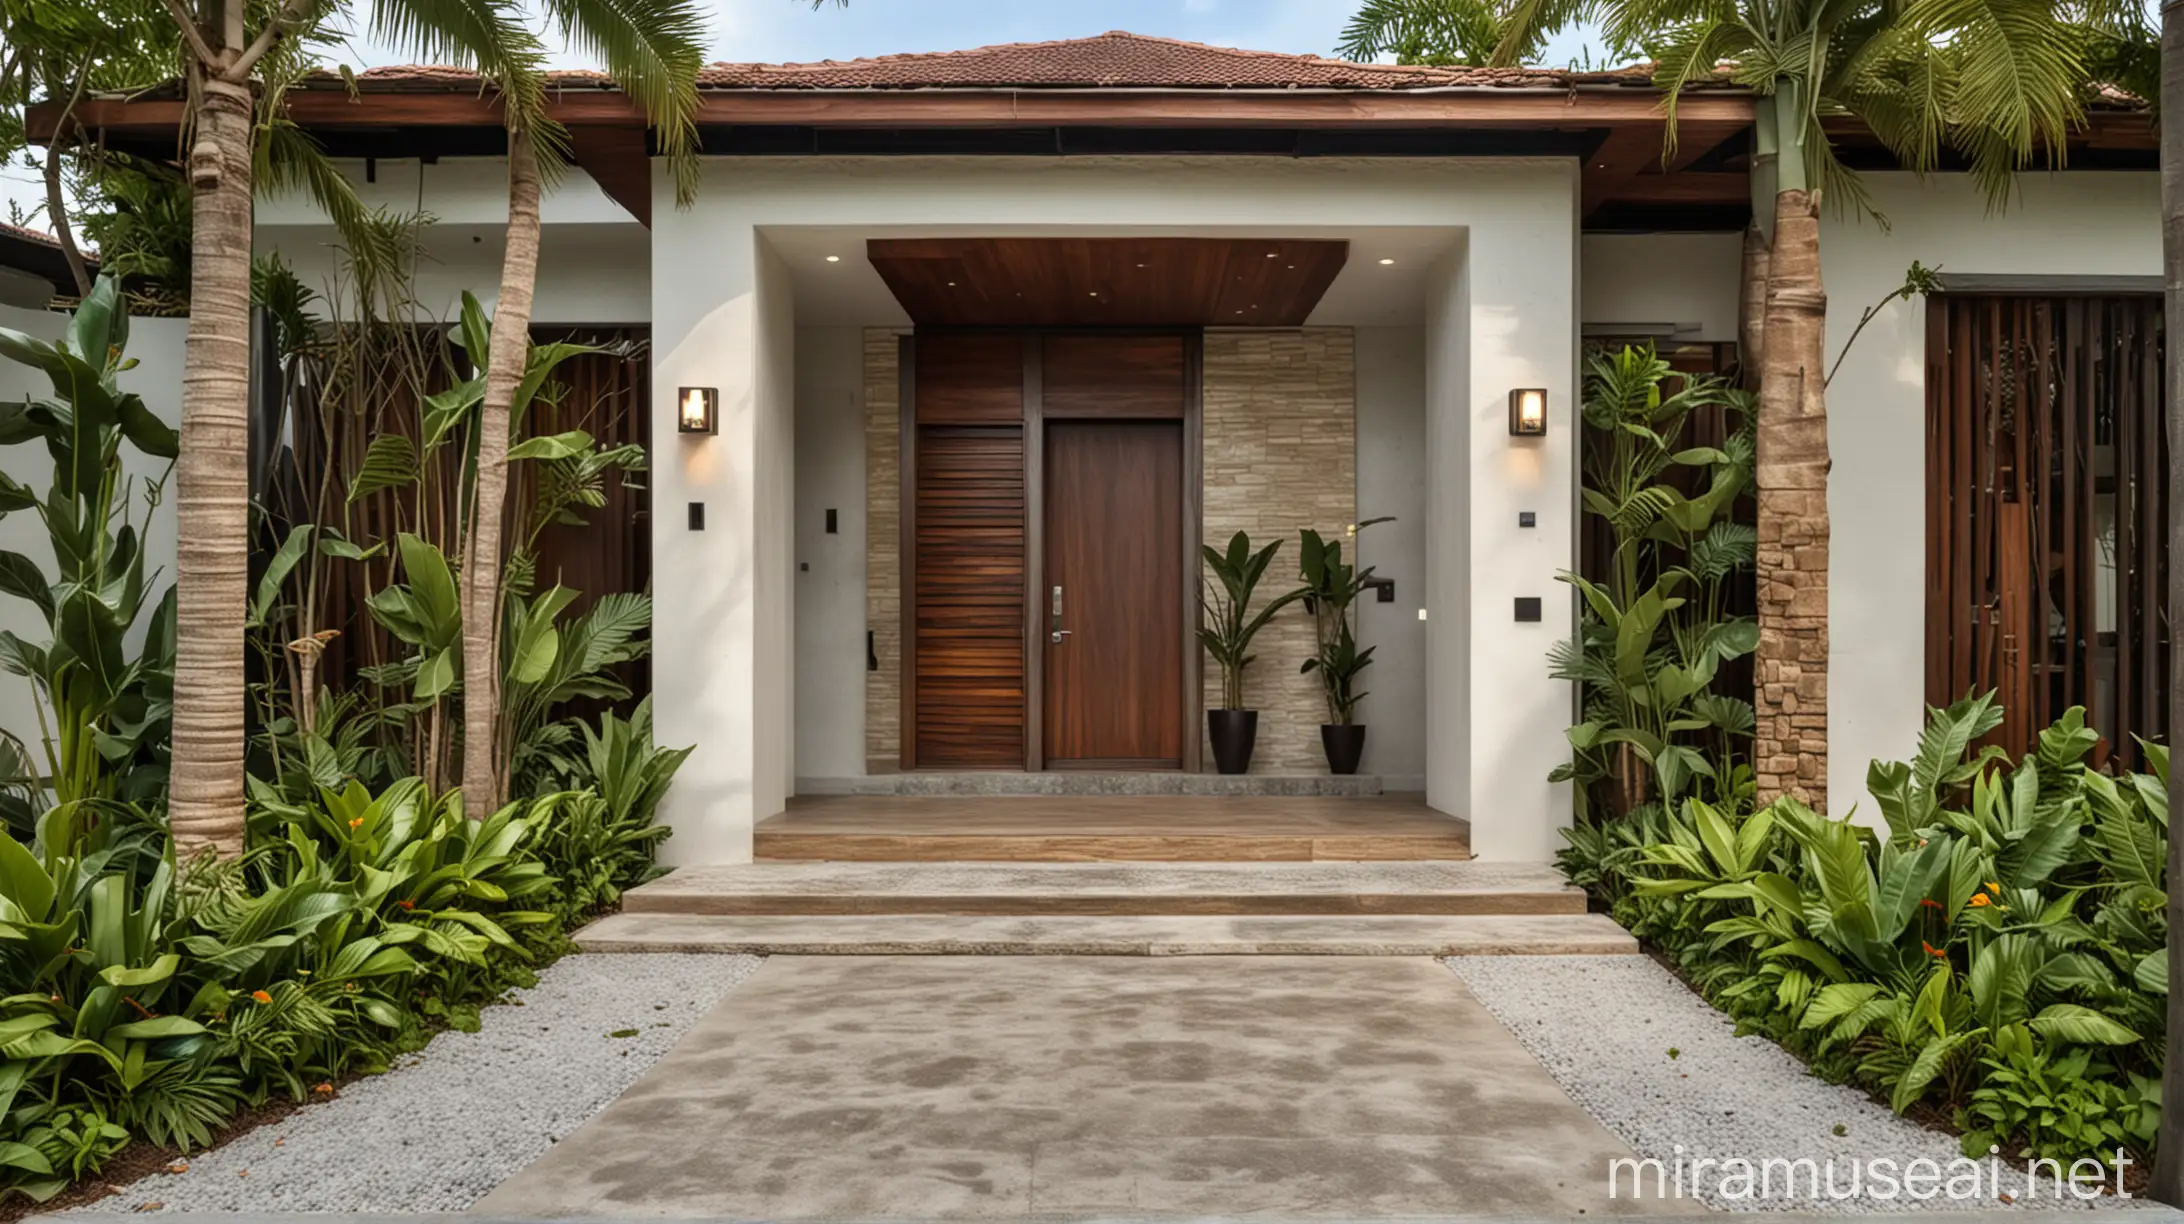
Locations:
{"points": [[699, 411], [1528, 413]]}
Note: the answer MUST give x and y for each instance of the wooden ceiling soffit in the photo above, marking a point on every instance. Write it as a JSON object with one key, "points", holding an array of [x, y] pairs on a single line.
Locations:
{"points": [[1633, 150], [616, 158], [1108, 282]]}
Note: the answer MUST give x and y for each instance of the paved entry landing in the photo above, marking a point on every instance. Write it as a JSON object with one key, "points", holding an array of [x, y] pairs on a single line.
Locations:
{"points": [[958, 1087]]}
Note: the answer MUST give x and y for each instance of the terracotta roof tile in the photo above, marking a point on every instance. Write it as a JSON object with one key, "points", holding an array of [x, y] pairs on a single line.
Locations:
{"points": [[22, 234], [1115, 60], [1121, 60]]}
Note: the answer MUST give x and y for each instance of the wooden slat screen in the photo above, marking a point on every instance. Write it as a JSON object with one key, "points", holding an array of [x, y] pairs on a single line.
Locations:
{"points": [[970, 566], [603, 393], [2047, 504]]}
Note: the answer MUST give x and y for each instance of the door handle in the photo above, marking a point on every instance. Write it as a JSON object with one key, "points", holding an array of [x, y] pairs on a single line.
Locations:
{"points": [[1057, 636], [1054, 623]]}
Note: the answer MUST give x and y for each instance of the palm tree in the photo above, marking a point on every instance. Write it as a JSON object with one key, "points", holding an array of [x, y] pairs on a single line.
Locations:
{"points": [[1999, 81], [653, 50], [212, 493]]}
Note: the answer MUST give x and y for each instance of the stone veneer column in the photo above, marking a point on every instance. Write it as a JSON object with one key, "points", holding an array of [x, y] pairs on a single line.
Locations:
{"points": [[883, 548], [1280, 453], [1790, 746]]}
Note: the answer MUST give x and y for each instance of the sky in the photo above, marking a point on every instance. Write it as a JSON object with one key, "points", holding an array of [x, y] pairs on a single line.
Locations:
{"points": [[792, 30]]}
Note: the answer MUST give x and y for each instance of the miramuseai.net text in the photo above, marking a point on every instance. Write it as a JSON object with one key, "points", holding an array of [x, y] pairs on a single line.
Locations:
{"points": [[1880, 1179]]}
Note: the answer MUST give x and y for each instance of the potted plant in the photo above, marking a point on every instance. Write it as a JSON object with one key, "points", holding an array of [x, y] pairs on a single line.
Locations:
{"points": [[1330, 587], [1226, 626]]}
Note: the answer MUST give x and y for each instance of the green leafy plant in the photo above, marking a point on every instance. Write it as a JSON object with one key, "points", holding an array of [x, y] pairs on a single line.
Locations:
{"points": [[108, 736], [1226, 623], [1330, 587], [1997, 954], [1655, 631]]}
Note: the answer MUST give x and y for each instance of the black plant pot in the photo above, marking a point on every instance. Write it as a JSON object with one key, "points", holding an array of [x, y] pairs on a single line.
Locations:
{"points": [[1344, 743], [1234, 733]]}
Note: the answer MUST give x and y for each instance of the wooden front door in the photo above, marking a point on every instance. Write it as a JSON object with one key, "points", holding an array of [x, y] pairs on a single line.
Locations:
{"points": [[1112, 598]]}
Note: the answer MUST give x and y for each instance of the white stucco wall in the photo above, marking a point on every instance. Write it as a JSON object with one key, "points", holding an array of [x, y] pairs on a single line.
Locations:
{"points": [[830, 578], [453, 190], [1680, 285], [1391, 481], [2077, 223], [157, 346], [714, 314], [590, 273]]}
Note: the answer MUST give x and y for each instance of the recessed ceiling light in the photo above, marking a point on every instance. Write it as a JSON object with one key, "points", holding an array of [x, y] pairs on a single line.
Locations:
{"points": [[834, 259], [1386, 262], [1094, 293], [951, 284], [1273, 255], [1141, 265]]}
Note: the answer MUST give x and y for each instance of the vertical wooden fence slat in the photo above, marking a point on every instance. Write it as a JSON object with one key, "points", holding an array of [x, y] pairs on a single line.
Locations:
{"points": [[2037, 409]]}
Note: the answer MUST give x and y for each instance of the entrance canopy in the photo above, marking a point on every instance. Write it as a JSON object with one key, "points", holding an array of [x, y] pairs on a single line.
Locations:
{"points": [[1091, 282]]}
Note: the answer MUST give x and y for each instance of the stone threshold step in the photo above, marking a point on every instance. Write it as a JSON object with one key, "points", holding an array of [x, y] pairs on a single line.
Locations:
{"points": [[1401, 935], [1109, 889], [1091, 782]]}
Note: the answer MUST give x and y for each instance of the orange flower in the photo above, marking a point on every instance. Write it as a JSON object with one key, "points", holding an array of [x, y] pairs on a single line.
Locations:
{"points": [[1994, 888], [1982, 899], [261, 996], [408, 905], [357, 823], [1933, 951], [1930, 903]]}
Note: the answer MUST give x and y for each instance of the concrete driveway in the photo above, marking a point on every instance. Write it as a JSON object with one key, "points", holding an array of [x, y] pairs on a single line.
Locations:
{"points": [[1002, 1087]]}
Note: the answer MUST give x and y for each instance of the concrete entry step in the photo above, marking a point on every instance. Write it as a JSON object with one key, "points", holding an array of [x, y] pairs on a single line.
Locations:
{"points": [[1187, 935], [1090, 782], [1109, 828], [1109, 889]]}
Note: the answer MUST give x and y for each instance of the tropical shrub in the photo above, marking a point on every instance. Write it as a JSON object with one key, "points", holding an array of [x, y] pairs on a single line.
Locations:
{"points": [[108, 736], [1996, 957], [142, 998], [1656, 629]]}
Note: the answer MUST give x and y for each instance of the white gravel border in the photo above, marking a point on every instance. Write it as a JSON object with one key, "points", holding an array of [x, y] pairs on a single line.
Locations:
{"points": [[448, 1124], [1603, 1026]]}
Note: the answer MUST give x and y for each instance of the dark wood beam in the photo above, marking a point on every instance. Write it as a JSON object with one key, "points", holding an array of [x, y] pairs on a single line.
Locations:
{"points": [[1690, 187], [616, 158]]}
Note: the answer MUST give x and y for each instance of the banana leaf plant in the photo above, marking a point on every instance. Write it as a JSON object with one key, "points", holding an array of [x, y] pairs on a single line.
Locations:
{"points": [[107, 740], [1226, 623]]}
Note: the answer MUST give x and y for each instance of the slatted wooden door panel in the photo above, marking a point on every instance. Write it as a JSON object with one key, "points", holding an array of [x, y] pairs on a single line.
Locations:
{"points": [[965, 703], [2046, 504]]}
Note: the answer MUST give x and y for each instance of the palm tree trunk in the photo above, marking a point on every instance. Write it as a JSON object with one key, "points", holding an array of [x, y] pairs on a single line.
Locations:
{"points": [[510, 350], [212, 492], [2168, 1184], [1752, 306], [1790, 750]]}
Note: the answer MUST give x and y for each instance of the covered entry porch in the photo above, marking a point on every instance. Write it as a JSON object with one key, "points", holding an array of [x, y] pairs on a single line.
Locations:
{"points": [[890, 489]]}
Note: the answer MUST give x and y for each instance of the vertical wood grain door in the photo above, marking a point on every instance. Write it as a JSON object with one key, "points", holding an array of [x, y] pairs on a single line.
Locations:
{"points": [[1112, 597]]}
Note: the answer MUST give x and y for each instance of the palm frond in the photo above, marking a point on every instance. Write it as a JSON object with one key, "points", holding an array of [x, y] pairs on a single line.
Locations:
{"points": [[488, 35], [1460, 32], [653, 49], [2019, 71]]}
